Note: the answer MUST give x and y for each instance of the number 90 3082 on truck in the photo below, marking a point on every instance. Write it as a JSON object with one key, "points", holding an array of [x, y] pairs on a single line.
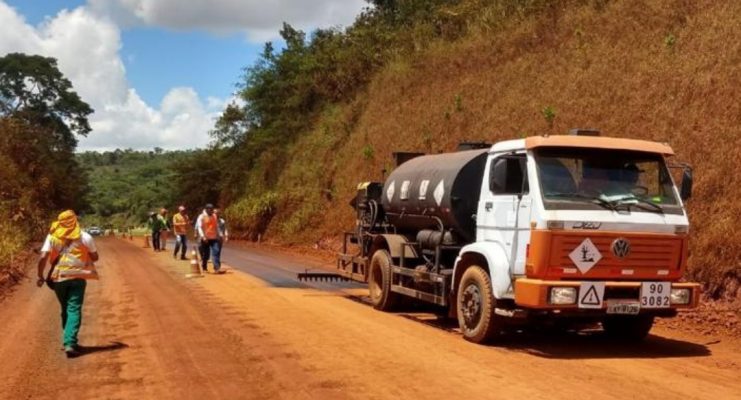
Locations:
{"points": [[559, 229]]}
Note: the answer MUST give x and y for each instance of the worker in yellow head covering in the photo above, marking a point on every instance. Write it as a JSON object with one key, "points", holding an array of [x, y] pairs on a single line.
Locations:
{"points": [[73, 254], [66, 226]]}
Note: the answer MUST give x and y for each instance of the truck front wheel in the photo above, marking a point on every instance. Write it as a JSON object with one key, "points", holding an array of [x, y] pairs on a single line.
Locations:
{"points": [[379, 282], [628, 328], [475, 304]]}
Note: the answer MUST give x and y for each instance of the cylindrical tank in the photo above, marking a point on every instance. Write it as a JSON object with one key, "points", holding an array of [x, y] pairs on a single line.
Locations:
{"points": [[445, 186]]}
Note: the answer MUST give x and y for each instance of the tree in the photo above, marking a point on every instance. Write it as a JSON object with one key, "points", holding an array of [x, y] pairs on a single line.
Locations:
{"points": [[231, 126], [33, 89], [40, 117], [384, 5], [196, 178]]}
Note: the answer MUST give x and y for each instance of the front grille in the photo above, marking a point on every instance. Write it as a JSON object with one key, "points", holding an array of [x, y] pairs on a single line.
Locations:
{"points": [[646, 252]]}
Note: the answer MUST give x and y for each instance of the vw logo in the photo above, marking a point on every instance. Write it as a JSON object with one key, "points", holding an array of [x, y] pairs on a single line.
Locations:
{"points": [[621, 247]]}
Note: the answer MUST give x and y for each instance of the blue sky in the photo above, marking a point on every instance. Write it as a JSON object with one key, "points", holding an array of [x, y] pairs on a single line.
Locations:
{"points": [[157, 72], [158, 59], [36, 10]]}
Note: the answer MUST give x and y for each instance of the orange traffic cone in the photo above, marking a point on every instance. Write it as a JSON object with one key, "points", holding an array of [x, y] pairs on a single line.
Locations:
{"points": [[146, 241], [195, 267]]}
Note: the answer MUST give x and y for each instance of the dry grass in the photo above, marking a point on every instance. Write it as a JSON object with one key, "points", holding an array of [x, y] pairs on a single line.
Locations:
{"points": [[665, 70], [13, 258]]}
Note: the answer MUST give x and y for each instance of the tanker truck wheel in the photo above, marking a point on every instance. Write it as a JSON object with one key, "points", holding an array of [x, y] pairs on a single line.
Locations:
{"points": [[475, 304], [379, 282]]}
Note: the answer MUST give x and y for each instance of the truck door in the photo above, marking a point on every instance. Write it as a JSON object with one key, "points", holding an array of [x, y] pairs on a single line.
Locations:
{"points": [[504, 209]]}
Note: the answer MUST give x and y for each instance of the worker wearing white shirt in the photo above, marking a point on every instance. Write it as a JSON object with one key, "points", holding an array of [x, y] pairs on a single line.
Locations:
{"points": [[210, 237]]}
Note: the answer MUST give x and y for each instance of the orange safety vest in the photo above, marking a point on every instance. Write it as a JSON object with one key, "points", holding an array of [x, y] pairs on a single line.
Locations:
{"points": [[180, 224], [210, 226], [74, 261]]}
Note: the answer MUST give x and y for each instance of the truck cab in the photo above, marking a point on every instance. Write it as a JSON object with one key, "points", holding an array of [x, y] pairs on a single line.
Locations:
{"points": [[581, 227]]}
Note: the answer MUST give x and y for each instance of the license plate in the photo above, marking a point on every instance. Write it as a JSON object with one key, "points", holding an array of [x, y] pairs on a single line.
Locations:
{"points": [[630, 308], [655, 294]]}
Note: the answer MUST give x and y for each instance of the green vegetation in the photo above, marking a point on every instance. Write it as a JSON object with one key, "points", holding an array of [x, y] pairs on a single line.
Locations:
{"points": [[253, 213], [125, 185], [40, 117], [458, 101], [549, 113], [301, 103], [669, 41], [368, 152], [314, 78]]}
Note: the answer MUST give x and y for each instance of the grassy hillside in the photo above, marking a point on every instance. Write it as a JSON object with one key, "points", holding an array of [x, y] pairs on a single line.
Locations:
{"points": [[666, 70]]}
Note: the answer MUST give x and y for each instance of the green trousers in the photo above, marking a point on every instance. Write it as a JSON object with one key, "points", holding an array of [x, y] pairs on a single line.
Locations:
{"points": [[71, 294]]}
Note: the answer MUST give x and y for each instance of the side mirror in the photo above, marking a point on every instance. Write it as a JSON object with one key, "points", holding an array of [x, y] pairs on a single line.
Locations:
{"points": [[685, 192], [498, 176]]}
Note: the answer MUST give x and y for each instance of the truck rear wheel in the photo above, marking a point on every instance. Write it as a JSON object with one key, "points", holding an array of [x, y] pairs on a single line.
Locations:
{"points": [[475, 305], [379, 282], [628, 328]]}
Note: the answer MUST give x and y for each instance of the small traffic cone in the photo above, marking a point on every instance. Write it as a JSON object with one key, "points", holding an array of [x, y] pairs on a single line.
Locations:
{"points": [[195, 267], [146, 242]]}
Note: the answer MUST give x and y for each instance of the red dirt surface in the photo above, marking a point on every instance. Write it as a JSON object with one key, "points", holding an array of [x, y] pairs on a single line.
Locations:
{"points": [[157, 335]]}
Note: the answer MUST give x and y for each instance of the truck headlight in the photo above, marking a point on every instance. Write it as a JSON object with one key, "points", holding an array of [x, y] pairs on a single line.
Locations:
{"points": [[681, 296], [563, 295]]}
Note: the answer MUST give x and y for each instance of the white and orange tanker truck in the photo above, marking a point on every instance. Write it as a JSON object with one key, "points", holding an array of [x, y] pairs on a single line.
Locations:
{"points": [[573, 228]]}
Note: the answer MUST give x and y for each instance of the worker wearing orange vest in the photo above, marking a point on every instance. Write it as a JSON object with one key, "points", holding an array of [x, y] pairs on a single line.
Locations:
{"points": [[73, 253], [207, 228], [180, 222]]}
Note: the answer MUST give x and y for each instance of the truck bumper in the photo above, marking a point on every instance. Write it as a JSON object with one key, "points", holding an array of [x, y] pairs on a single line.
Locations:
{"points": [[535, 294]]}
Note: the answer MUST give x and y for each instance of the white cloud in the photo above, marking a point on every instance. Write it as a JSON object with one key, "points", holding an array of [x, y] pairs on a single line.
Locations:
{"points": [[16, 34], [259, 19], [182, 121], [86, 42], [87, 48]]}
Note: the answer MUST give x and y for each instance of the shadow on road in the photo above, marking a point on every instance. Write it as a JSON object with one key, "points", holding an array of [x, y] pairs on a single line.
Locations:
{"points": [[113, 346], [582, 344], [595, 344]]}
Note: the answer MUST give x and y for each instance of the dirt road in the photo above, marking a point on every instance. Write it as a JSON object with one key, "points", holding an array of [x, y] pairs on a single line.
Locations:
{"points": [[257, 333]]}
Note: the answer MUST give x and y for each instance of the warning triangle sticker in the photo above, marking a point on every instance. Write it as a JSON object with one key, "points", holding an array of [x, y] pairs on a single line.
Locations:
{"points": [[591, 298], [591, 294]]}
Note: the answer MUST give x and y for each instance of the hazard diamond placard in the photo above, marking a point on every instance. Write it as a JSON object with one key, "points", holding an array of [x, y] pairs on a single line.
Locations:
{"points": [[585, 256], [591, 294]]}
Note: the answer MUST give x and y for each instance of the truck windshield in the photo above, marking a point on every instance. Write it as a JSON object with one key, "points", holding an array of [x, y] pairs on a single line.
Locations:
{"points": [[575, 178]]}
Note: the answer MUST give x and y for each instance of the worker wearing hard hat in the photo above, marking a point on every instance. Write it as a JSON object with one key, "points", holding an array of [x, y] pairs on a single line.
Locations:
{"points": [[180, 222], [164, 234], [223, 230], [159, 225], [209, 236]]}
